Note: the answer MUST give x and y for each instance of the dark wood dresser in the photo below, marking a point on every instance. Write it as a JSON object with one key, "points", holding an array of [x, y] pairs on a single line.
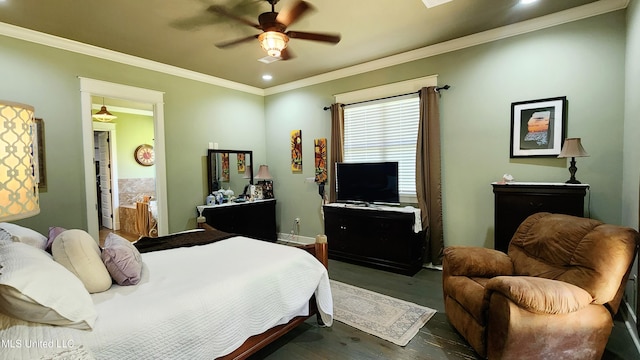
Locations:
{"points": [[383, 238], [255, 219], [515, 201]]}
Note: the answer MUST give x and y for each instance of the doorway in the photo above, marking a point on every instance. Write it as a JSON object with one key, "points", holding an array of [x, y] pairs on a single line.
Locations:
{"points": [[123, 182], [91, 87], [105, 186], [106, 172]]}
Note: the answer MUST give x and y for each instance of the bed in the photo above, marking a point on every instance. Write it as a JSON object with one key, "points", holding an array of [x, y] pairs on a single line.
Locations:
{"points": [[200, 295]]}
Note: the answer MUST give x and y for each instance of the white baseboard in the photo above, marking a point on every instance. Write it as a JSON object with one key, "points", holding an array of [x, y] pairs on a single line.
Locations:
{"points": [[432, 267], [630, 321], [296, 239]]}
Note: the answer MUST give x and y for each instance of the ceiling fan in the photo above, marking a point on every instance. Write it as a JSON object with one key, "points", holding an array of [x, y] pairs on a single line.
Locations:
{"points": [[275, 37]]}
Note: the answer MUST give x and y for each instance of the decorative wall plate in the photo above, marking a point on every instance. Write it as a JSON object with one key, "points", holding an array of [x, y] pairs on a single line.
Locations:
{"points": [[144, 155]]}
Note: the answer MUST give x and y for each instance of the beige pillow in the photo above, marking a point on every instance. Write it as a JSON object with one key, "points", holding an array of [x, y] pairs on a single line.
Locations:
{"points": [[35, 288], [79, 253]]}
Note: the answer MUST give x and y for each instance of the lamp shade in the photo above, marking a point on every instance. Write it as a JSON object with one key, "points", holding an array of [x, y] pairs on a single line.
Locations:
{"points": [[572, 148], [18, 187], [263, 173], [104, 115]]}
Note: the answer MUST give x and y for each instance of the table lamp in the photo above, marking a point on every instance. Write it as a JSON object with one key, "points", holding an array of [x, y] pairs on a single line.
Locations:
{"points": [[18, 185], [264, 179], [572, 148]]}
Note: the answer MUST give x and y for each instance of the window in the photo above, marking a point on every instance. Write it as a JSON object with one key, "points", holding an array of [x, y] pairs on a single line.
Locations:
{"points": [[385, 130]]}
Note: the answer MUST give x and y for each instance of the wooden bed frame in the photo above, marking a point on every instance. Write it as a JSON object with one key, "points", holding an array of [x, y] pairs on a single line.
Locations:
{"points": [[257, 342]]}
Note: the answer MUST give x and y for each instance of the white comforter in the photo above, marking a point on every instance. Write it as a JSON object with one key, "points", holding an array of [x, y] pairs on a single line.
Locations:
{"points": [[198, 302]]}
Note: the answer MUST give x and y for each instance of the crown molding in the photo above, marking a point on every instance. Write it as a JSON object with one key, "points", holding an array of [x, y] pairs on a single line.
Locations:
{"points": [[574, 14], [94, 51], [578, 13]]}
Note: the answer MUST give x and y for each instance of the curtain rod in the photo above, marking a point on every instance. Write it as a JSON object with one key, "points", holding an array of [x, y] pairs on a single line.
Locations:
{"points": [[437, 89]]}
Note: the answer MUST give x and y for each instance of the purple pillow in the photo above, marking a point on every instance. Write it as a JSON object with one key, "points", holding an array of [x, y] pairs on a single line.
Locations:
{"points": [[122, 259], [54, 231]]}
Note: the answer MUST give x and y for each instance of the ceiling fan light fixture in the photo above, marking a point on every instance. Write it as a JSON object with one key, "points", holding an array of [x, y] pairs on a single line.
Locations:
{"points": [[273, 42]]}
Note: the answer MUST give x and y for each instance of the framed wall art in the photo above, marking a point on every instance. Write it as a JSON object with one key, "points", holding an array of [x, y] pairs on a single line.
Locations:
{"points": [[241, 163], [39, 151], [225, 167], [320, 150], [538, 127], [296, 151]]}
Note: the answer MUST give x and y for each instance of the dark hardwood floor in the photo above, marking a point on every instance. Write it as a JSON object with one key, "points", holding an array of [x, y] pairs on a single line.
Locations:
{"points": [[436, 340]]}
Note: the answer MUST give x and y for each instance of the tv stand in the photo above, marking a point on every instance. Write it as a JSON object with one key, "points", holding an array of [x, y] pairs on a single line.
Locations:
{"points": [[383, 237]]}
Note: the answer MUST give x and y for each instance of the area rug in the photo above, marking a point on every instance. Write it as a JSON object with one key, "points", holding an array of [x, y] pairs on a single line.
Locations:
{"points": [[386, 317]]}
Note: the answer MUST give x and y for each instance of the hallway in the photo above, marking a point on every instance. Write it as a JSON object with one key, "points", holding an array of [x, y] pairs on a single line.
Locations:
{"points": [[104, 232]]}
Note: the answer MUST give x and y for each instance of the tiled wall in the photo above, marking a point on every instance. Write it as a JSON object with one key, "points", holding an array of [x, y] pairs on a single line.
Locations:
{"points": [[132, 190]]}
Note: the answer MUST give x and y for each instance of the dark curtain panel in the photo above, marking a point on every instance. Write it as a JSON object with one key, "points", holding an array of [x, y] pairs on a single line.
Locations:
{"points": [[428, 175], [337, 146]]}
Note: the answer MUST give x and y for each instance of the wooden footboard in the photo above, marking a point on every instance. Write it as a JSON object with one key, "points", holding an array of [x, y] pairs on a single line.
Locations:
{"points": [[257, 342]]}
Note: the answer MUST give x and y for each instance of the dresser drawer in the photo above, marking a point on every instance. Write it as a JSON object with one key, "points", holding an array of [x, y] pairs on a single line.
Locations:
{"points": [[514, 202]]}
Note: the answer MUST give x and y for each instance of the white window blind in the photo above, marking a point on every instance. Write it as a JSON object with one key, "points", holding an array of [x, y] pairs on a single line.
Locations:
{"points": [[385, 130]]}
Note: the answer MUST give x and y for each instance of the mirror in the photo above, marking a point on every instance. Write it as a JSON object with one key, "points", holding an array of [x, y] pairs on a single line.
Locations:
{"points": [[228, 169]]}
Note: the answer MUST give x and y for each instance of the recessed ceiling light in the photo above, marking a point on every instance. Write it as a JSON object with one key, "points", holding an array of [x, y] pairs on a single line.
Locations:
{"points": [[434, 3], [267, 77], [525, 2]]}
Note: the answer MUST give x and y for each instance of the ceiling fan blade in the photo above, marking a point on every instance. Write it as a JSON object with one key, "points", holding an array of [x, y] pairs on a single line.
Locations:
{"points": [[286, 54], [290, 15], [231, 43], [194, 23], [330, 38], [222, 11]]}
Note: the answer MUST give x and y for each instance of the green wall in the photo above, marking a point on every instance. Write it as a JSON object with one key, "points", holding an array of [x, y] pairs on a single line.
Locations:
{"points": [[485, 80], [475, 116], [196, 113], [132, 131], [631, 158], [594, 62], [631, 154]]}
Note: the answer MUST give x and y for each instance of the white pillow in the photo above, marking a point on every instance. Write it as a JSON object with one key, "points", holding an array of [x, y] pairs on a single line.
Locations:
{"points": [[25, 235], [35, 288], [79, 253], [5, 237]]}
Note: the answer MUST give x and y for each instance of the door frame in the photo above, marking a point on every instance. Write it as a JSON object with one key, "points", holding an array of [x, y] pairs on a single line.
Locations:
{"points": [[91, 87], [115, 201]]}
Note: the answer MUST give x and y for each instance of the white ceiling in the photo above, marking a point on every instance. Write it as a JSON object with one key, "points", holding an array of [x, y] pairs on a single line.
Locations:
{"points": [[182, 33]]}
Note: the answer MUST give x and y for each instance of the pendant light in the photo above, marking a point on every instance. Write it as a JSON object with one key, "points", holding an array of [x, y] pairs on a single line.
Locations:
{"points": [[104, 115]]}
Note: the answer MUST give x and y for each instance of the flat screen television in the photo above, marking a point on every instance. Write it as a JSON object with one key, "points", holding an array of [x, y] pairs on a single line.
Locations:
{"points": [[374, 182]]}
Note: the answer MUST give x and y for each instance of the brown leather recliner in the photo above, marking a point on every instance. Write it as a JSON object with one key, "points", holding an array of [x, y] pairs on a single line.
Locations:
{"points": [[553, 296]]}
